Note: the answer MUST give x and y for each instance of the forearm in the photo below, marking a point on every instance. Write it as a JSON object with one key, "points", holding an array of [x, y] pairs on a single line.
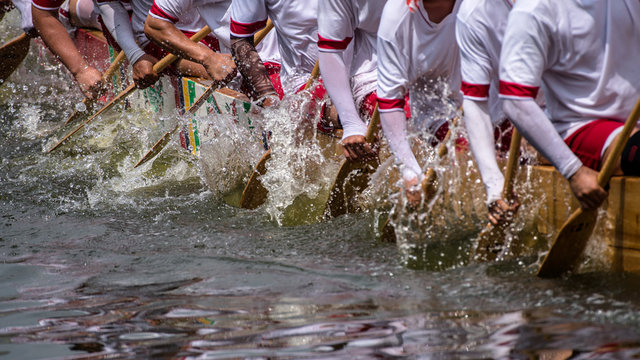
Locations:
{"points": [[116, 19], [477, 120], [251, 66], [534, 126], [57, 40], [394, 125], [166, 35], [335, 76]]}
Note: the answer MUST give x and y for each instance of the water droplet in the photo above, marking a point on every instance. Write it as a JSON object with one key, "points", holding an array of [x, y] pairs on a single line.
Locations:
{"points": [[42, 89], [81, 107]]}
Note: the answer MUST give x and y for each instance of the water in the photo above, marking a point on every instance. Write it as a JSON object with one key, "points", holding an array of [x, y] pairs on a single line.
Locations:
{"points": [[100, 261]]}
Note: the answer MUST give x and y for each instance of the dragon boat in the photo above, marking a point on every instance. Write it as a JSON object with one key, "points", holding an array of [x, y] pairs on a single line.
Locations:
{"points": [[615, 241]]}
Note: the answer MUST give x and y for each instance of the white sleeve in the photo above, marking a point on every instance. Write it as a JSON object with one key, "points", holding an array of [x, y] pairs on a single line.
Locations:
{"points": [[480, 133], [336, 80], [116, 20], [394, 125], [24, 7], [534, 126]]}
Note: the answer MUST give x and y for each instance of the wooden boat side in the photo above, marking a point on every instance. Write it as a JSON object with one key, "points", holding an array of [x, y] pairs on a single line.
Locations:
{"points": [[618, 228]]}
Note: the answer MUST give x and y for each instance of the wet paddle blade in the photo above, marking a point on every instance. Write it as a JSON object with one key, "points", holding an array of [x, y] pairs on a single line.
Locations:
{"points": [[569, 244], [12, 54], [254, 194], [157, 147], [489, 244], [351, 180]]}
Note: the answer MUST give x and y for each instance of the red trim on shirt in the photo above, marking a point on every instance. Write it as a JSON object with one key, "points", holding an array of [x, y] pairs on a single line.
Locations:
{"points": [[517, 90], [48, 4], [390, 104], [155, 10], [238, 28], [475, 90], [328, 44]]}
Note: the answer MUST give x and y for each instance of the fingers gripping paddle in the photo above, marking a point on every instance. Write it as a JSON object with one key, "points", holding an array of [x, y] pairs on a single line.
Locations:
{"points": [[164, 140], [12, 54], [254, 194], [492, 237], [89, 103], [388, 232], [158, 67], [353, 176], [570, 242]]}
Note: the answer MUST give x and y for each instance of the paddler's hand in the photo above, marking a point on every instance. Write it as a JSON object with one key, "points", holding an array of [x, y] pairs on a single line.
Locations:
{"points": [[90, 81], [143, 73], [220, 67], [584, 184], [355, 148], [501, 213], [413, 192]]}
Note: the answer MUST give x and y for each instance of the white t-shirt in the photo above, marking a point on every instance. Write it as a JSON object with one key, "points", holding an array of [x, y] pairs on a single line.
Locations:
{"points": [[419, 57], [197, 13], [296, 26], [340, 22], [479, 31], [583, 52]]}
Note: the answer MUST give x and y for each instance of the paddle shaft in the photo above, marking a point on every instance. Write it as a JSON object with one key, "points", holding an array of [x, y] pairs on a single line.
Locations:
{"points": [[88, 103], [161, 143], [158, 67], [431, 175], [512, 164]]}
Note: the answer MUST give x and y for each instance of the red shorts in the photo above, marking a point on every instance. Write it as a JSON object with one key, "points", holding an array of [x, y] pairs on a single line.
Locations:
{"points": [[502, 136], [587, 141]]}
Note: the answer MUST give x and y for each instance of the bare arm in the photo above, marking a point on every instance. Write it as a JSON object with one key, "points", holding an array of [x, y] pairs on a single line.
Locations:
{"points": [[58, 41], [219, 66]]}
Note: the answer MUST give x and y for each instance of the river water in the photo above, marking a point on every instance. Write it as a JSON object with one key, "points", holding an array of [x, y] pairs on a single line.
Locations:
{"points": [[100, 261]]}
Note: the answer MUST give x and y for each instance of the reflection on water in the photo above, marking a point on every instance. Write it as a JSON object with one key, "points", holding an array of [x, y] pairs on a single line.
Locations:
{"points": [[101, 261]]}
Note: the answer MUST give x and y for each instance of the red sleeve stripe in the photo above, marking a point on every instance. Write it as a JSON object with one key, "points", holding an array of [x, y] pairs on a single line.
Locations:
{"points": [[475, 91], [508, 89], [242, 29], [161, 14], [390, 104], [328, 44], [47, 4]]}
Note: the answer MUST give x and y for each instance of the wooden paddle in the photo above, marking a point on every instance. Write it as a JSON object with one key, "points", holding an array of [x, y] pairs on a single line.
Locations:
{"points": [[388, 232], [572, 239], [254, 194], [12, 54], [353, 176], [164, 140], [90, 103], [158, 67], [492, 236]]}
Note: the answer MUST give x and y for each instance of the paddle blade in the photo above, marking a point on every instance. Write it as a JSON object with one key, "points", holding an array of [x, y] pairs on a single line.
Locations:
{"points": [[568, 244], [12, 54], [254, 193], [489, 244], [351, 180], [157, 147]]}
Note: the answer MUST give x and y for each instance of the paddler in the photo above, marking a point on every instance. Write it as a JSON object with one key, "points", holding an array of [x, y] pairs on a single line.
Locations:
{"points": [[417, 55], [480, 30], [296, 28], [55, 36], [582, 53], [352, 89], [205, 60]]}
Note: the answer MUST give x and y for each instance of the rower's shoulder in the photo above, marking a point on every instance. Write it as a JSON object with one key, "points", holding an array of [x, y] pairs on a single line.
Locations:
{"points": [[395, 17]]}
